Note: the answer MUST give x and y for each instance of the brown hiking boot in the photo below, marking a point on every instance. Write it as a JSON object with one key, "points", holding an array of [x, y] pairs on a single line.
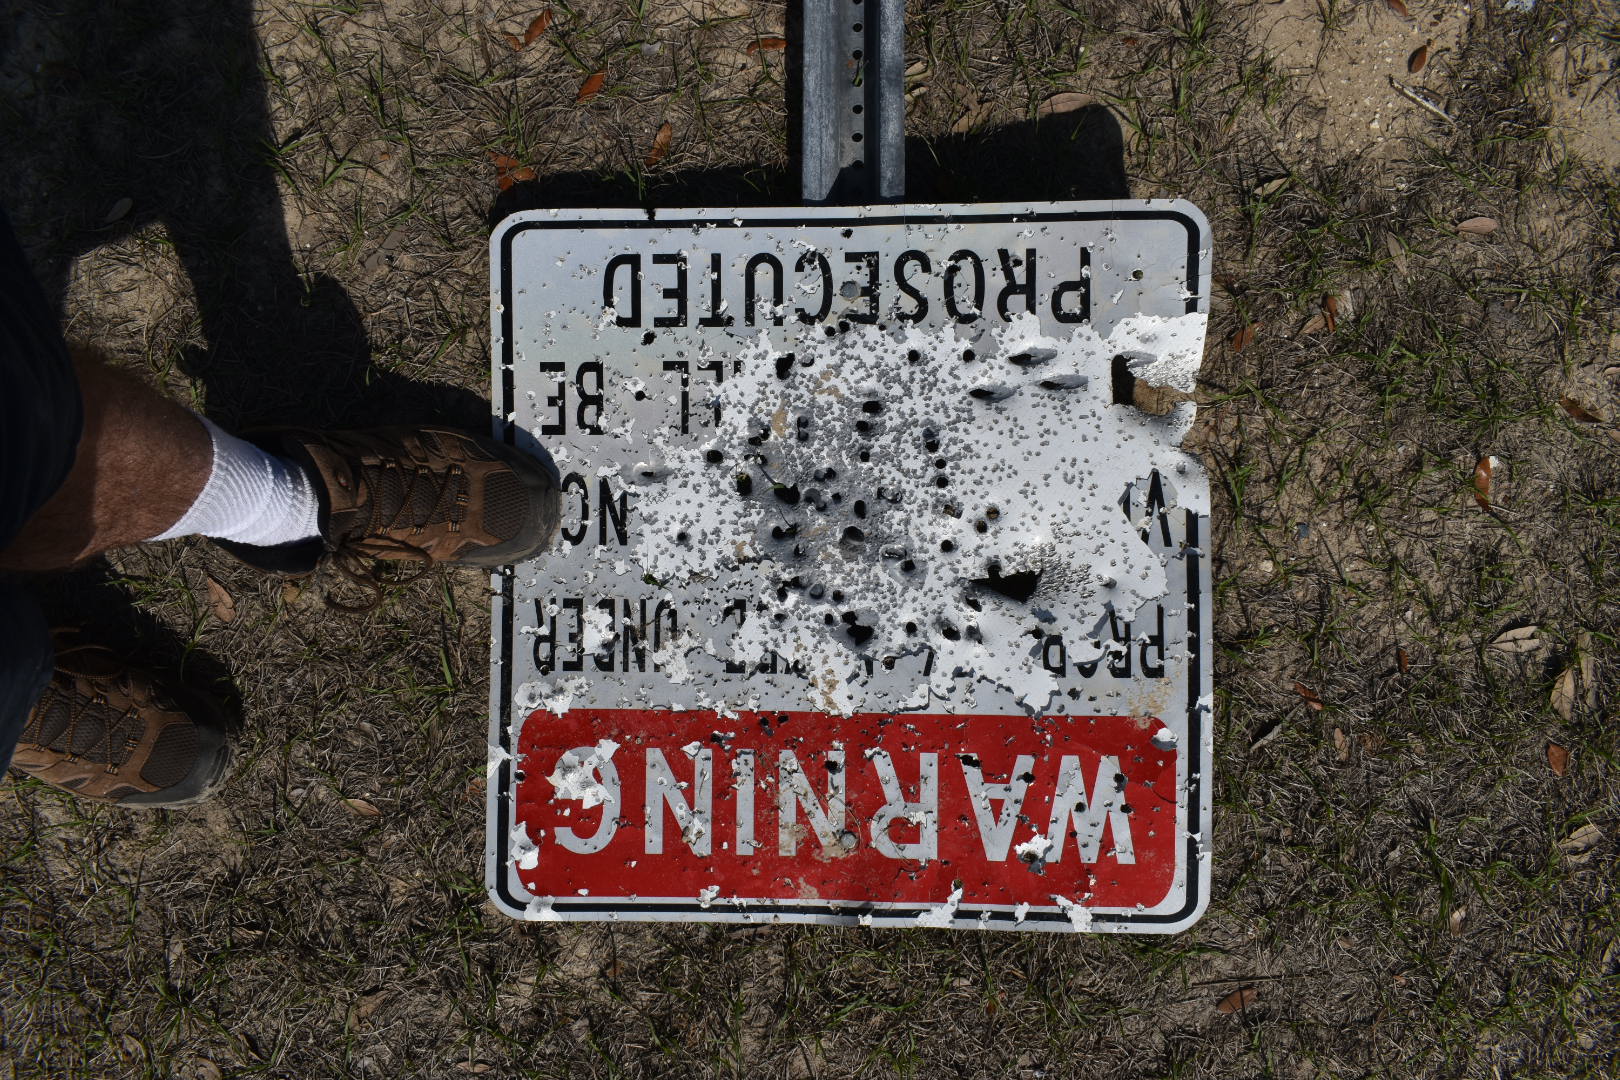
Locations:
{"points": [[426, 495], [110, 733]]}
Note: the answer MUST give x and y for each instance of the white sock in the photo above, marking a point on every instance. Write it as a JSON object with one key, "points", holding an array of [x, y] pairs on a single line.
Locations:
{"points": [[251, 497]]}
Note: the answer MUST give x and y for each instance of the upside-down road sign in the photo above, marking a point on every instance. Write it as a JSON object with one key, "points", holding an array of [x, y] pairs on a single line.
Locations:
{"points": [[876, 600]]}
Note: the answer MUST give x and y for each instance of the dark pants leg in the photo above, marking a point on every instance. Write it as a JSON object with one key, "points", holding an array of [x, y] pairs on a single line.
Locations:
{"points": [[41, 417], [26, 660]]}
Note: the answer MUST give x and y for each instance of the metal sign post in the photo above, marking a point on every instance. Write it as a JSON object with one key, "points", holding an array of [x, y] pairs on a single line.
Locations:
{"points": [[871, 603]]}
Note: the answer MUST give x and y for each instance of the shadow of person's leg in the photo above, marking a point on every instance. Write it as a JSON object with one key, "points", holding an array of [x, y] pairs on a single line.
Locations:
{"points": [[160, 108]]}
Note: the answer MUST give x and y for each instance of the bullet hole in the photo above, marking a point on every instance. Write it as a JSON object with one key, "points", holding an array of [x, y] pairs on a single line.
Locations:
{"points": [[860, 508], [833, 766], [780, 533], [865, 455], [993, 513], [992, 393], [859, 634], [787, 493], [803, 429], [831, 331], [911, 629], [848, 290], [907, 566], [852, 535], [847, 233], [837, 597], [864, 427], [1126, 808], [641, 395], [1019, 585], [950, 632], [980, 526], [781, 593], [913, 357], [972, 603], [714, 457], [817, 591], [968, 356], [828, 619], [745, 484], [939, 463], [838, 496], [951, 510], [1136, 275], [872, 408], [784, 365], [1065, 382], [1028, 778], [648, 338], [942, 481], [1123, 382], [829, 474], [947, 546], [931, 440], [683, 537], [848, 839]]}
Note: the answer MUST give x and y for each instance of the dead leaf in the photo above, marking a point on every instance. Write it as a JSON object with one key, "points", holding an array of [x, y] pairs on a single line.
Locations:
{"points": [[291, 593], [1068, 101], [767, 44], [1399, 8], [1578, 412], [591, 87], [1341, 744], [508, 171], [1419, 57], [1483, 468], [1313, 325], [221, 602], [1244, 337], [1582, 840], [1402, 662], [477, 1067], [1564, 693], [1476, 226], [120, 209], [362, 807], [971, 119], [1238, 1000], [660, 145], [1397, 253], [1310, 696], [1521, 639], [1557, 759], [1270, 187], [514, 41], [1454, 922], [204, 1069], [537, 27]]}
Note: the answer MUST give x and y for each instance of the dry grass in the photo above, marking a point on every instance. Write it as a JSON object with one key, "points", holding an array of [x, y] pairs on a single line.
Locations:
{"points": [[310, 187]]}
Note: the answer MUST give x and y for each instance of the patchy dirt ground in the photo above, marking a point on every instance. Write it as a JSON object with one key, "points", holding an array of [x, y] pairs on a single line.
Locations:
{"points": [[278, 211]]}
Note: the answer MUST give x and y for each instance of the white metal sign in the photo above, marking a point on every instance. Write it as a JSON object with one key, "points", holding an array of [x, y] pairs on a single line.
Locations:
{"points": [[871, 602]]}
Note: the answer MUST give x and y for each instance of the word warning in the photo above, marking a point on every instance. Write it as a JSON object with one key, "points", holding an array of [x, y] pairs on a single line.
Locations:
{"points": [[877, 598]]}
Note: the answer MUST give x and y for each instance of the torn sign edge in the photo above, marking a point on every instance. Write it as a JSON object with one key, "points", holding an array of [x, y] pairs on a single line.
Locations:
{"points": [[1193, 871]]}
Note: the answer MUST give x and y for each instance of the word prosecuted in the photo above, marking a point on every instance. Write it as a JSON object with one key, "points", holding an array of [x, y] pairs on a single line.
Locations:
{"points": [[658, 290]]}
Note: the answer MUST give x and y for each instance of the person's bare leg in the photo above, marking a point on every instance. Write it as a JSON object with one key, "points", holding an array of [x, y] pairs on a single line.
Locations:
{"points": [[142, 461]]}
